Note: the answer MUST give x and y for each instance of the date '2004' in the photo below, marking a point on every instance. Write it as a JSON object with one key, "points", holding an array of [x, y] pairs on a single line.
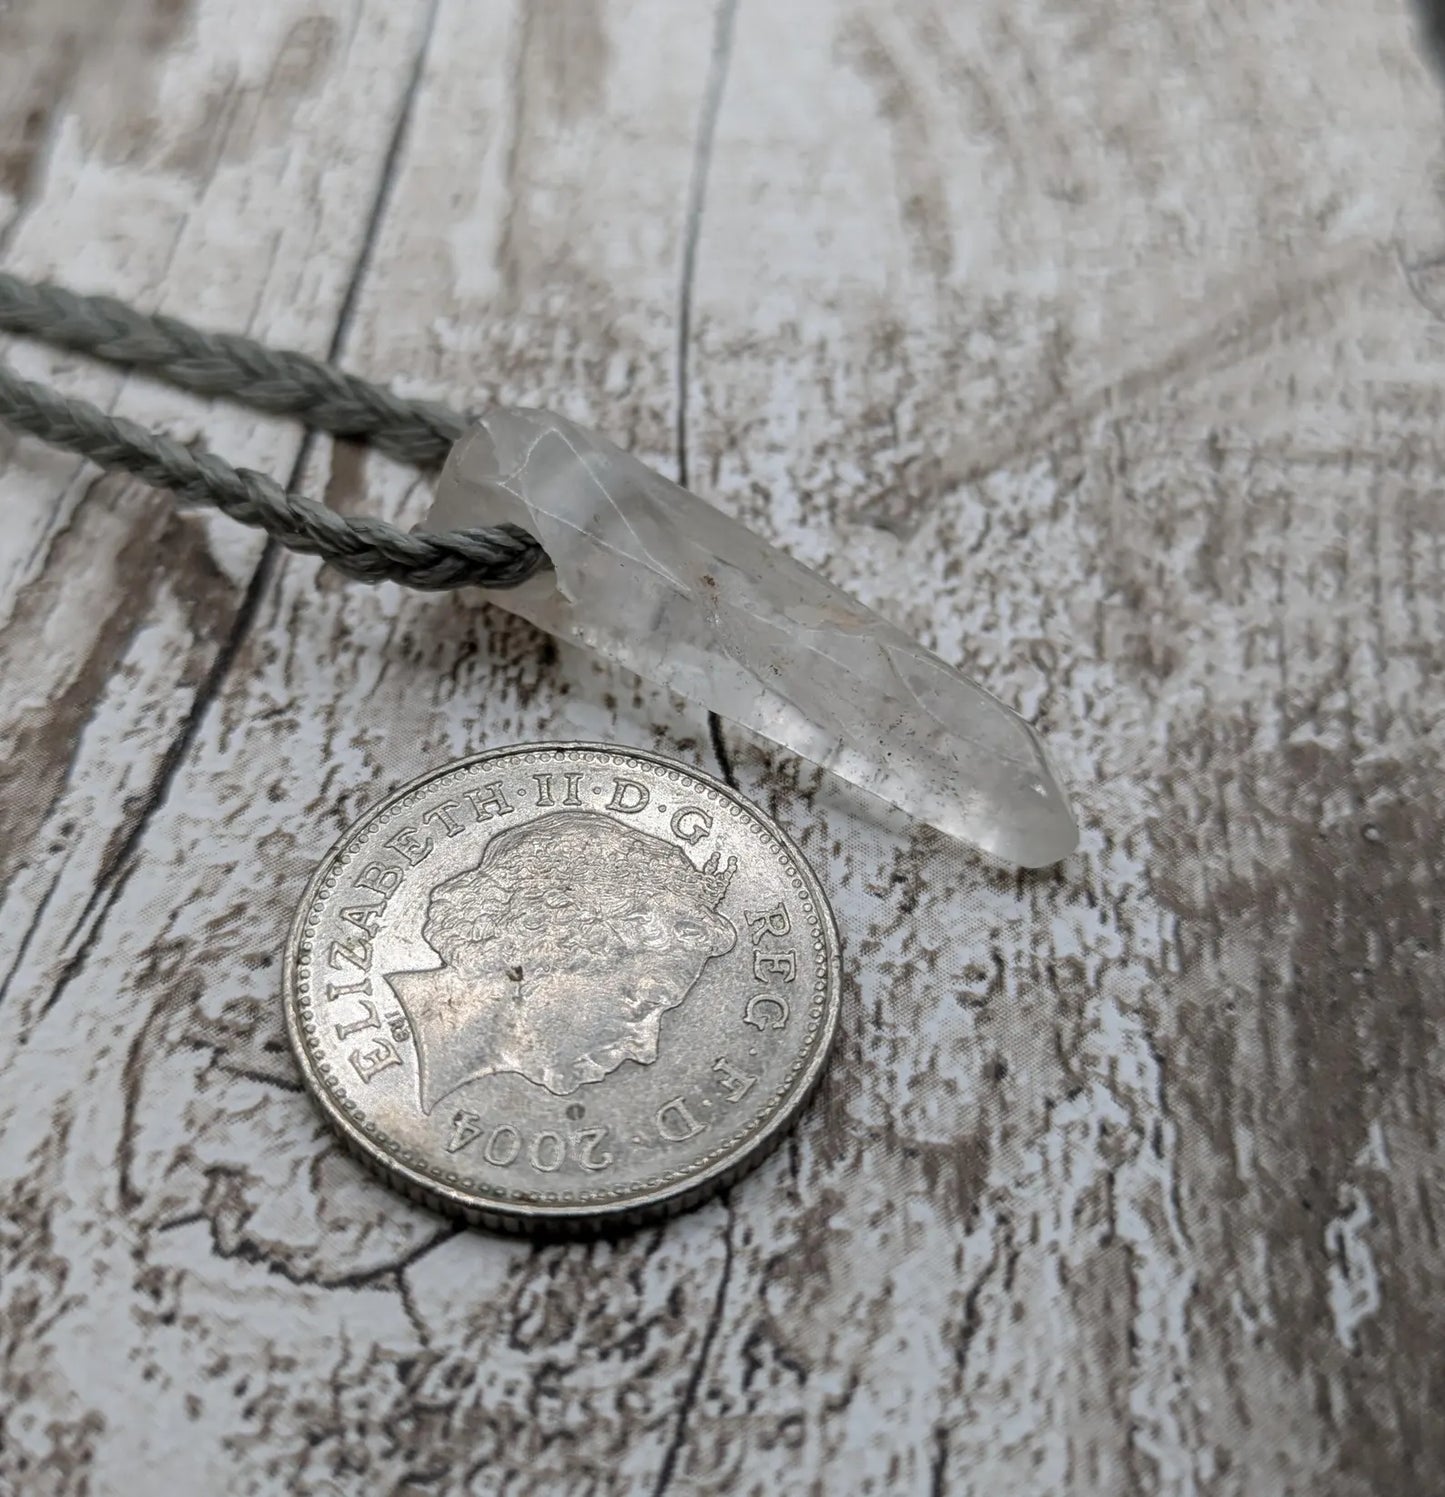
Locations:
{"points": [[549, 1149], [546, 1150]]}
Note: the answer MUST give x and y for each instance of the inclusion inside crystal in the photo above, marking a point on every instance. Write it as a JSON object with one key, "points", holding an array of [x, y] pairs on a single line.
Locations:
{"points": [[652, 576]]}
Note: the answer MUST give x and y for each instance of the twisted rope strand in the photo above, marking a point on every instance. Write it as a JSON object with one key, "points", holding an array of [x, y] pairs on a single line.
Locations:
{"points": [[278, 381], [273, 380], [367, 549]]}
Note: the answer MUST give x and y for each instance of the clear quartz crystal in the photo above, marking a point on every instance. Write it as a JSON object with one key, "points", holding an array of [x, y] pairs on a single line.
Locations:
{"points": [[655, 578]]}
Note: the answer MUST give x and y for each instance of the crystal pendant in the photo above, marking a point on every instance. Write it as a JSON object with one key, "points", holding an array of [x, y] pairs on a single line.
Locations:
{"points": [[658, 580]]}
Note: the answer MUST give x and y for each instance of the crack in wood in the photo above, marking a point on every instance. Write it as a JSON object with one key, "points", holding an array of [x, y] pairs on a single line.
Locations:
{"points": [[112, 876], [688, 1402]]}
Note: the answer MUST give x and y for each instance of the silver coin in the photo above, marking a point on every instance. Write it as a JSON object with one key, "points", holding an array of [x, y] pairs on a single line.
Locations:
{"points": [[558, 986]]}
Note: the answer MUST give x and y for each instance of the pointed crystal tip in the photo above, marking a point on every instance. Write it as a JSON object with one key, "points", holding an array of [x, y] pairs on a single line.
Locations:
{"points": [[658, 580]]}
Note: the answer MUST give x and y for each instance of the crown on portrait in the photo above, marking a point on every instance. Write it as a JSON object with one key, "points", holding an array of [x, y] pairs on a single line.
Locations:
{"points": [[715, 879]]}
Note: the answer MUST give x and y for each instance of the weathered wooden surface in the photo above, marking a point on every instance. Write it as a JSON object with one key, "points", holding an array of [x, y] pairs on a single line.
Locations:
{"points": [[1099, 345]]}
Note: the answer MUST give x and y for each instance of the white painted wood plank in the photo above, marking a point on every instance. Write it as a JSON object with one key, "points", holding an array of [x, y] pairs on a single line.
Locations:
{"points": [[228, 185], [1099, 351]]}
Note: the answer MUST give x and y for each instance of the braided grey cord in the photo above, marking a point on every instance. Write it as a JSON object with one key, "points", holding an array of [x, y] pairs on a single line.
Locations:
{"points": [[365, 548], [275, 380], [272, 380]]}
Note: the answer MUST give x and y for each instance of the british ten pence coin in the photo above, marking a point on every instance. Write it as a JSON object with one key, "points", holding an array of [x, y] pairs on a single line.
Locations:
{"points": [[562, 986]]}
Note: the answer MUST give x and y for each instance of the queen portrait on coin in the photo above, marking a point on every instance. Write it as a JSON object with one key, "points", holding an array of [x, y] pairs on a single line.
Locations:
{"points": [[561, 951]]}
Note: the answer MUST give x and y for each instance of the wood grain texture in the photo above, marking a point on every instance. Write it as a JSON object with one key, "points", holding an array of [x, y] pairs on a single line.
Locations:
{"points": [[1099, 347]]}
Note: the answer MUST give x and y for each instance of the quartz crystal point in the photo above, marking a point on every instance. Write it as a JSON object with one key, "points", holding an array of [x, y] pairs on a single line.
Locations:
{"points": [[655, 578]]}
